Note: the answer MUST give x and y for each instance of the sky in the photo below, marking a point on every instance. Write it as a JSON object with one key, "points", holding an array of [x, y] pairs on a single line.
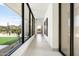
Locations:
{"points": [[8, 16]]}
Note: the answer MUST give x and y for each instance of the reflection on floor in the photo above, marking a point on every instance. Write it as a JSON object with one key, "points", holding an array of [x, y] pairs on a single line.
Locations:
{"points": [[40, 47]]}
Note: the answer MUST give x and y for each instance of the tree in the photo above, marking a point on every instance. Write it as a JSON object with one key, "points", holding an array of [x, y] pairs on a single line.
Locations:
{"points": [[8, 28], [18, 32]]}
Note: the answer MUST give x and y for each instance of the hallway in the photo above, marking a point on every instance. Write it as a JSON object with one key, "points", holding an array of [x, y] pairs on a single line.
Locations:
{"points": [[40, 47]]}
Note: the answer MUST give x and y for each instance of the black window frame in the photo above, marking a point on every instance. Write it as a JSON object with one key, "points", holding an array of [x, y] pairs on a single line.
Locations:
{"points": [[71, 29], [30, 12]]}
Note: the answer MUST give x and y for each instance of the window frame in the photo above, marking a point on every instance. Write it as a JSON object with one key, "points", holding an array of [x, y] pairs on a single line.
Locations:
{"points": [[30, 12], [71, 29]]}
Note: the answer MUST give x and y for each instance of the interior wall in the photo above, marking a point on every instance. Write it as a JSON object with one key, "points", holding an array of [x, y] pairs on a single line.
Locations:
{"points": [[52, 15], [50, 23], [55, 26]]}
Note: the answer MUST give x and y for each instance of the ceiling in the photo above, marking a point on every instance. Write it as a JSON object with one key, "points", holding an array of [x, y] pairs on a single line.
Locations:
{"points": [[15, 7], [39, 9]]}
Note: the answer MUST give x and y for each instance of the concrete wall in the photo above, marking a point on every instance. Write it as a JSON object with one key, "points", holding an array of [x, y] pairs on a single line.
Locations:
{"points": [[52, 15]]}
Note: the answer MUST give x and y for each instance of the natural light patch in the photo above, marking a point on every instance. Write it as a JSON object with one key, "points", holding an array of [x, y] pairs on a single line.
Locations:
{"points": [[2, 4], [39, 27], [8, 16], [76, 20]]}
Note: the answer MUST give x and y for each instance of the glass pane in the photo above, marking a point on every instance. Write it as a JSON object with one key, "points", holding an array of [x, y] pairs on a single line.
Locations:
{"points": [[65, 28], [31, 23], [10, 27], [33, 26], [26, 22], [76, 29]]}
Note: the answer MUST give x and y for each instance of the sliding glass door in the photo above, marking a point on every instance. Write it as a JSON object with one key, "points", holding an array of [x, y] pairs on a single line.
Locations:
{"points": [[76, 29], [65, 28], [69, 31]]}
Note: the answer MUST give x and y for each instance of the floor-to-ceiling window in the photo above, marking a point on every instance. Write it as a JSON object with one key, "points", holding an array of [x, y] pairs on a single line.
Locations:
{"points": [[65, 28], [31, 22], [76, 29], [16, 22], [26, 22], [68, 29], [10, 28], [33, 25]]}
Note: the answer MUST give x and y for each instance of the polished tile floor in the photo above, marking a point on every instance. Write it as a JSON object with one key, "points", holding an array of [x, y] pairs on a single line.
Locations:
{"points": [[40, 47]]}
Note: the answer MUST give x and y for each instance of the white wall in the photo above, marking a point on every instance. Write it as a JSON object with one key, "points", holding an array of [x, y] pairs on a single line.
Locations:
{"points": [[49, 15], [52, 14], [55, 25]]}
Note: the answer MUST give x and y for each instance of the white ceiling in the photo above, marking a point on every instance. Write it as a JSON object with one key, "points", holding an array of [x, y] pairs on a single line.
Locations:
{"points": [[15, 7], [39, 9]]}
